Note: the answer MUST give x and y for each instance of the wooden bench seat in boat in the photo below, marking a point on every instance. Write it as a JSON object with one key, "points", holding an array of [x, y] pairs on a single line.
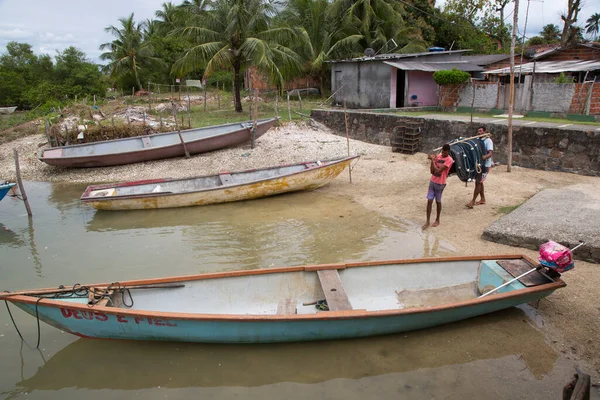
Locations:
{"points": [[336, 297], [146, 141], [226, 179], [286, 307]]}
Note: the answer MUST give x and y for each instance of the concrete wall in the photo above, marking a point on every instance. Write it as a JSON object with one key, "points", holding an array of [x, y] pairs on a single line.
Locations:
{"points": [[421, 84], [486, 95], [550, 149], [362, 85], [552, 97]]}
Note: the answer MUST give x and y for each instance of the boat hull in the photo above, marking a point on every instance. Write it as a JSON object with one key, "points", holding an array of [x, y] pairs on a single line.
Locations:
{"points": [[306, 180], [5, 188], [278, 304], [55, 156], [103, 325], [7, 110]]}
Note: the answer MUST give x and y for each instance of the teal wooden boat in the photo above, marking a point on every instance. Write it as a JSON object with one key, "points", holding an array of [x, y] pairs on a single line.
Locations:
{"points": [[4, 188], [316, 302]]}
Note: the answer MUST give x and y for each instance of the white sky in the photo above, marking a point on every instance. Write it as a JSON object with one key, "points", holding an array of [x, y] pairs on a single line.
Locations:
{"points": [[55, 25]]}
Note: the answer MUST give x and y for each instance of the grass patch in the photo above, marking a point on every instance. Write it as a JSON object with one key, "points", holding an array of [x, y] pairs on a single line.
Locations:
{"points": [[508, 209]]}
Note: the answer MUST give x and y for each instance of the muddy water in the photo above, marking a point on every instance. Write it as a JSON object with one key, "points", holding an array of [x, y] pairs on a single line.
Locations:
{"points": [[497, 356]]}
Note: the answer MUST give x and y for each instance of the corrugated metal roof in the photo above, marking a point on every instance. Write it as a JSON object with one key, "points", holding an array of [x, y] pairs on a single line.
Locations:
{"points": [[395, 56], [434, 66], [485, 59], [551, 67]]}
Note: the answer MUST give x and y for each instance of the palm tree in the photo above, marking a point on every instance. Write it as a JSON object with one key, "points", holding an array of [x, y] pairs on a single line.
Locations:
{"points": [[592, 25], [550, 33], [128, 53], [323, 34], [378, 21], [235, 34]]}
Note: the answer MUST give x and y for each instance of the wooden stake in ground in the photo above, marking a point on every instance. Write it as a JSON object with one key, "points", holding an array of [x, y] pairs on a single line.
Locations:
{"points": [[189, 107], [511, 100], [347, 139], [299, 99], [289, 109], [277, 105], [149, 97], [255, 113], [187, 154], [47, 131], [219, 97], [204, 97], [20, 183]]}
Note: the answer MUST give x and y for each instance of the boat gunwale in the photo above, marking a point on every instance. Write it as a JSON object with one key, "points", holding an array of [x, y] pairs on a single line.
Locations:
{"points": [[145, 150], [85, 196], [336, 315]]}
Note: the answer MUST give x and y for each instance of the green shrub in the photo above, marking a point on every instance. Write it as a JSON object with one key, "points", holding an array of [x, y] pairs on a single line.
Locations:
{"points": [[453, 76], [563, 79]]}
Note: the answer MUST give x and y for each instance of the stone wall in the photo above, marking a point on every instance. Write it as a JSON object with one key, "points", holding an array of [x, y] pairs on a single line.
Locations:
{"points": [[486, 95], [551, 149]]}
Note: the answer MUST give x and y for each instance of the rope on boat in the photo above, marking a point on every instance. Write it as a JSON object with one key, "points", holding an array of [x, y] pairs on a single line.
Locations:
{"points": [[37, 317], [79, 291]]}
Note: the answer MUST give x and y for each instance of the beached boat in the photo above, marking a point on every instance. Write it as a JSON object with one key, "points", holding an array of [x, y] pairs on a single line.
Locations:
{"points": [[221, 188], [153, 147], [7, 110], [317, 302], [4, 188]]}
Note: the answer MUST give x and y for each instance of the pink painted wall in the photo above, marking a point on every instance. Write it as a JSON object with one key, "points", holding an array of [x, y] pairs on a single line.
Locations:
{"points": [[422, 84]]}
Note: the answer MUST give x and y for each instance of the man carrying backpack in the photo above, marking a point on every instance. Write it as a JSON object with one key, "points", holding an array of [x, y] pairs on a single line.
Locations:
{"points": [[485, 168]]}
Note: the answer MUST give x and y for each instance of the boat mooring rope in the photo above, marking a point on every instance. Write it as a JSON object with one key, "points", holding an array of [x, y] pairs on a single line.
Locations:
{"points": [[37, 317], [79, 291]]}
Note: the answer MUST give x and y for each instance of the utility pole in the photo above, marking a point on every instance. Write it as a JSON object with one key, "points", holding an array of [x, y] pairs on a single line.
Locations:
{"points": [[511, 100]]}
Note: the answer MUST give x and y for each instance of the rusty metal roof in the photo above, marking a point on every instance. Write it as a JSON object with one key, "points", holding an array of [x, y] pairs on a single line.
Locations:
{"points": [[550, 67], [434, 66]]}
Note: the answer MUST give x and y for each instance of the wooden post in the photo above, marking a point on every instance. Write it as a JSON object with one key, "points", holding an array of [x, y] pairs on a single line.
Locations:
{"points": [[144, 118], [189, 110], [218, 97], [20, 183], [204, 86], [179, 91], [254, 122], [161, 122], [511, 99], [112, 120], [276, 105], [132, 92], [67, 135], [149, 97], [94, 99], [299, 99], [47, 131], [187, 154], [289, 109], [347, 138], [128, 121], [472, 100]]}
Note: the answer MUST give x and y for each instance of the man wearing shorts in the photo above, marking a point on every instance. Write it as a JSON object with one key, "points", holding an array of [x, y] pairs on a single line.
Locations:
{"points": [[480, 178], [439, 167]]}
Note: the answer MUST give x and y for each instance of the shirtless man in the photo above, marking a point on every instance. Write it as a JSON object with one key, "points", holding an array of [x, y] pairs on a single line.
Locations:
{"points": [[487, 164]]}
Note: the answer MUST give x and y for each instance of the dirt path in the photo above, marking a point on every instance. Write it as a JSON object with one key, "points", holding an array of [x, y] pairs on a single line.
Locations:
{"points": [[392, 184]]}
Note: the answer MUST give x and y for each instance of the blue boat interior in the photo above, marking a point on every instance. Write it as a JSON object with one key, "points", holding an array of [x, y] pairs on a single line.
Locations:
{"points": [[371, 288]]}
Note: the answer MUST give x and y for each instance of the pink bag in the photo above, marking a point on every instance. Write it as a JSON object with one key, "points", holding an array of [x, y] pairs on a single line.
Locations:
{"points": [[556, 256]]}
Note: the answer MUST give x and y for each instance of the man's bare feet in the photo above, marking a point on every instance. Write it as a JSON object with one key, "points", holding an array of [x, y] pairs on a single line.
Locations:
{"points": [[469, 205], [436, 223], [480, 203], [425, 226]]}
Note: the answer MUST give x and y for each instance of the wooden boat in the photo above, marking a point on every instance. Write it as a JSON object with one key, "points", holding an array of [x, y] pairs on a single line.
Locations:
{"points": [[221, 188], [4, 188], [153, 147], [288, 304], [7, 110]]}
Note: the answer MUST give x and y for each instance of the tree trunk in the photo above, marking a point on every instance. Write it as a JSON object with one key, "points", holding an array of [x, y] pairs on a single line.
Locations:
{"points": [[237, 88]]}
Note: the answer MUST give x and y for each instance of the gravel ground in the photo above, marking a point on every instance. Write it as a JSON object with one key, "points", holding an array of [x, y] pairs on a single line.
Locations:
{"points": [[286, 144], [389, 183]]}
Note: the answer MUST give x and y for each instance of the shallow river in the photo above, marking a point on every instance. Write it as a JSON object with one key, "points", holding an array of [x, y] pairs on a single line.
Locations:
{"points": [[504, 355]]}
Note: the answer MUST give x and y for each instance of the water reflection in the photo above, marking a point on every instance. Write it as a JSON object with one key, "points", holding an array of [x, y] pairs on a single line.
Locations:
{"points": [[9, 237], [127, 365]]}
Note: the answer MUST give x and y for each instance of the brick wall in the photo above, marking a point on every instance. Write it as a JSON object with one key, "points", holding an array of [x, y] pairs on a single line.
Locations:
{"points": [[575, 53]]}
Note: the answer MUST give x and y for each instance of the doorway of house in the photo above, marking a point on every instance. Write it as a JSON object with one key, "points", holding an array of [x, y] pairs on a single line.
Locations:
{"points": [[400, 87]]}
